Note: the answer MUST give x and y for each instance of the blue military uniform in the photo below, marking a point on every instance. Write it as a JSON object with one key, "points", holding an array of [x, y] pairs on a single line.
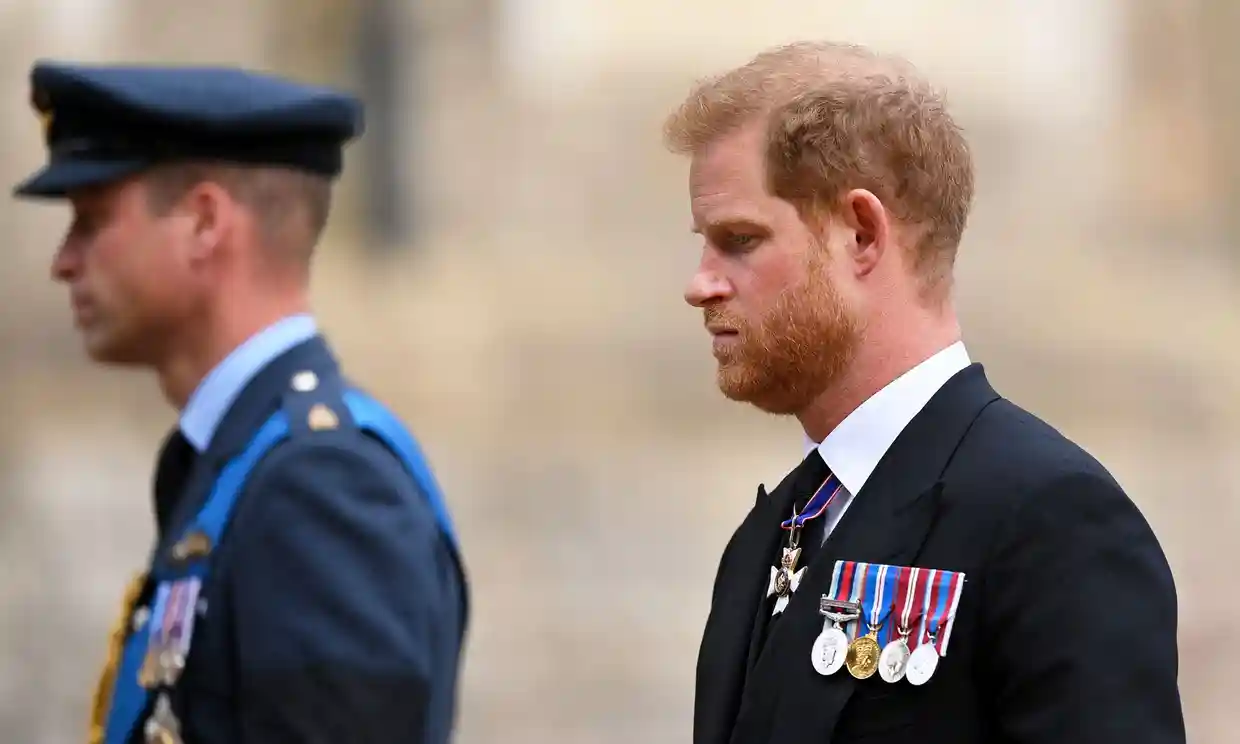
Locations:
{"points": [[306, 584]]}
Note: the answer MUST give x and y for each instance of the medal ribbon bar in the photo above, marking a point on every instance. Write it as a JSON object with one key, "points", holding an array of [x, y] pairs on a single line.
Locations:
{"points": [[939, 613]]}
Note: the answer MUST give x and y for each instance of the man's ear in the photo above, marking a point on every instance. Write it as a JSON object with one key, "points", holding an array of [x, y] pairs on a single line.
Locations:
{"points": [[870, 227], [211, 212]]}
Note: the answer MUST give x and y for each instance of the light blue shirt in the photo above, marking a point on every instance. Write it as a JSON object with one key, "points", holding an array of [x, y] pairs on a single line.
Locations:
{"points": [[217, 391]]}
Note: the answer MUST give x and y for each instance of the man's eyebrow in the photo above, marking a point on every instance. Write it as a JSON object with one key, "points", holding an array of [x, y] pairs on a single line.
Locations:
{"points": [[744, 221]]}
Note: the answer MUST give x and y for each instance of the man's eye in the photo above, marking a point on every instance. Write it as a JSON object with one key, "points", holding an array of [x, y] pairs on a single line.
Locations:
{"points": [[82, 225], [742, 242]]}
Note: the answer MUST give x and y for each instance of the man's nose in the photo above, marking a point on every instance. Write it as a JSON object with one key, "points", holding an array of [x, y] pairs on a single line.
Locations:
{"points": [[66, 263], [707, 288]]}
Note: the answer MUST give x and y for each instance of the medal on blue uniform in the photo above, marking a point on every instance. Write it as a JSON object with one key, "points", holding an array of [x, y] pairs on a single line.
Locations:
{"points": [[785, 576], [170, 633], [178, 627], [150, 674]]}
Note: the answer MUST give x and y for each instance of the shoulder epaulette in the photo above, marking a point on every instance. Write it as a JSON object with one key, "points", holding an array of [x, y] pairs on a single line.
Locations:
{"points": [[314, 404]]}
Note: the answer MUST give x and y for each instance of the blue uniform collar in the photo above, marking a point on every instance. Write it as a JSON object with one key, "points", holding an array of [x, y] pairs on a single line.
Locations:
{"points": [[219, 389]]}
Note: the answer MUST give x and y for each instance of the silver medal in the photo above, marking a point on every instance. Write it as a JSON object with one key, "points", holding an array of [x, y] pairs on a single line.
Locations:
{"points": [[830, 649], [922, 663], [893, 662]]}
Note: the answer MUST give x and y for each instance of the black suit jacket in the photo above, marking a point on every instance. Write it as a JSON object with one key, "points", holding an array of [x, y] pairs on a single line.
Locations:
{"points": [[1066, 628]]}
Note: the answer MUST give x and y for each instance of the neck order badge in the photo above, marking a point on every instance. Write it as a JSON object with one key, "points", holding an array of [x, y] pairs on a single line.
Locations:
{"points": [[785, 576]]}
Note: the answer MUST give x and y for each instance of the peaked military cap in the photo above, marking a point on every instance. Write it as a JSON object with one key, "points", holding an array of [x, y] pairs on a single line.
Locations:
{"points": [[102, 123]]}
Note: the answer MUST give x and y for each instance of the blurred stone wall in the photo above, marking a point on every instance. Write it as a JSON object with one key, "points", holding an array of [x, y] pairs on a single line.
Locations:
{"points": [[536, 339], [1217, 25]]}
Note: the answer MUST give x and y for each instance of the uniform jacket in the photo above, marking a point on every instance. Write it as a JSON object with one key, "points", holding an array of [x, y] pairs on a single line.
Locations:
{"points": [[1066, 627], [335, 610]]}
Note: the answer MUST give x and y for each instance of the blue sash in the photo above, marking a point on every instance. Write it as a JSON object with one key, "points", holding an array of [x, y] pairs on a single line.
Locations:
{"points": [[129, 698]]}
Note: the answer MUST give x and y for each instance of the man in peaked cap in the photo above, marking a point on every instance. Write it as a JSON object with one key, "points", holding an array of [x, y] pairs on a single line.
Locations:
{"points": [[305, 584]]}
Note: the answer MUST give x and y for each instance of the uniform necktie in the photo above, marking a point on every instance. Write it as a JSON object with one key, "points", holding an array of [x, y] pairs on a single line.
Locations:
{"points": [[176, 461], [172, 469]]}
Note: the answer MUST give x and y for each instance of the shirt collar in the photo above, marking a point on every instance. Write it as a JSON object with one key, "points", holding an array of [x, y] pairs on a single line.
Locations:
{"points": [[217, 391], [854, 449]]}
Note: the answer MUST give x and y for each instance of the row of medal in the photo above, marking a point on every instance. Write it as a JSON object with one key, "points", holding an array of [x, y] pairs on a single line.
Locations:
{"points": [[170, 633], [907, 615]]}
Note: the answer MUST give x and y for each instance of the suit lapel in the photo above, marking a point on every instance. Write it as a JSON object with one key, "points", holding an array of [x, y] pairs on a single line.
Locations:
{"points": [[780, 506], [888, 522], [253, 405], [729, 642]]}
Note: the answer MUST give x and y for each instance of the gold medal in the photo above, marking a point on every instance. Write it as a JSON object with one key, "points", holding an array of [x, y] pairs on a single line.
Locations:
{"points": [[863, 653]]}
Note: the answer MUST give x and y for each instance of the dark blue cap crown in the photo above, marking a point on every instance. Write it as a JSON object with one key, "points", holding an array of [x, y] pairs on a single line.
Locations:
{"points": [[106, 122]]}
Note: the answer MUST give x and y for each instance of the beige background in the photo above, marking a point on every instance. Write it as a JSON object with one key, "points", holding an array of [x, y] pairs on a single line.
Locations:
{"points": [[532, 331]]}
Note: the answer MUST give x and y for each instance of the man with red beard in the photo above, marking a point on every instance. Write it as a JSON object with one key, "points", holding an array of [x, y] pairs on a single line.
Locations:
{"points": [[831, 188]]}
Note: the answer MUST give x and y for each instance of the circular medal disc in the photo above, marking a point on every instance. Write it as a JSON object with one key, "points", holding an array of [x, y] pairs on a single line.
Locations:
{"points": [[921, 664], [893, 662], [829, 651], [862, 658]]}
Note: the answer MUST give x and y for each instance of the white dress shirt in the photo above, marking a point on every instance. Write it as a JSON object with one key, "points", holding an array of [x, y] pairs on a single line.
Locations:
{"points": [[854, 448]]}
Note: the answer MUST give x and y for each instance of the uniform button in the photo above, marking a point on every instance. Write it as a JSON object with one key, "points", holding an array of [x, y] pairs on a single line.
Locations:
{"points": [[139, 619], [304, 382]]}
